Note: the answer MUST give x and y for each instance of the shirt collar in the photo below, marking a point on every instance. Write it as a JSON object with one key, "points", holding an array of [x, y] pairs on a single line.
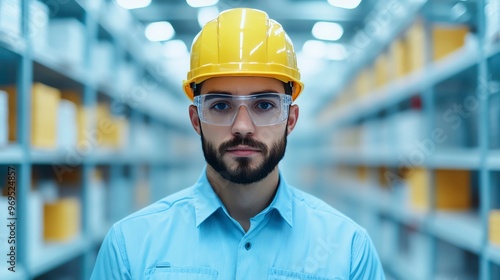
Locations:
{"points": [[207, 201]]}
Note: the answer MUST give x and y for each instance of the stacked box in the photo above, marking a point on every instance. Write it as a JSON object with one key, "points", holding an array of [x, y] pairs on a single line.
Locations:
{"points": [[45, 104], [452, 189], [401, 57], [494, 227], [113, 130], [382, 70], [4, 118], [102, 61], [447, 39], [67, 125], [492, 11], [61, 219], [39, 22], [11, 113], [97, 196], [67, 40], [416, 46], [363, 83], [35, 225], [10, 17]]}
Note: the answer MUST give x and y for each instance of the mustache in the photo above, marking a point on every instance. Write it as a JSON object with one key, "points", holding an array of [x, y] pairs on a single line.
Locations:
{"points": [[245, 141]]}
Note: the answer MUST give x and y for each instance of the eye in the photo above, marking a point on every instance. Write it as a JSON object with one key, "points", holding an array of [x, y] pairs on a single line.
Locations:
{"points": [[220, 106], [265, 105]]}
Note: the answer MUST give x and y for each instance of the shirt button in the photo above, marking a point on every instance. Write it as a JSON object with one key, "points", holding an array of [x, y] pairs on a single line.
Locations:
{"points": [[248, 246]]}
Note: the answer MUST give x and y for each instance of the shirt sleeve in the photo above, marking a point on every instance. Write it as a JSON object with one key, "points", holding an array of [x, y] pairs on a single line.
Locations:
{"points": [[111, 262], [365, 262]]}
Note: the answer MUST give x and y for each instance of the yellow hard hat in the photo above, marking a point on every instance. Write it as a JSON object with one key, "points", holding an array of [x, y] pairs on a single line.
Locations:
{"points": [[243, 42]]}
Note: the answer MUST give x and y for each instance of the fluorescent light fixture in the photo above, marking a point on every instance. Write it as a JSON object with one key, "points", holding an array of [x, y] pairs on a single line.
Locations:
{"points": [[321, 50], [133, 4], [206, 14], [201, 3], [159, 31], [345, 4], [330, 31], [174, 48]]}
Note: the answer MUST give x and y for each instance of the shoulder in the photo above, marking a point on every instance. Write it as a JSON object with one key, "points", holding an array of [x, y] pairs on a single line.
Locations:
{"points": [[314, 209], [163, 209]]}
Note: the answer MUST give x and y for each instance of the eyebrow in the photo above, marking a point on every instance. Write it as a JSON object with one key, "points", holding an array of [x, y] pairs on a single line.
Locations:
{"points": [[253, 93]]}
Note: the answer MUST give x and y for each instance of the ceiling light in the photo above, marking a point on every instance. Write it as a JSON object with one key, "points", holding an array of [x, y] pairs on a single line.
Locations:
{"points": [[159, 31], [175, 48], [321, 50], [133, 4], [201, 3], [206, 14], [327, 31], [346, 4]]}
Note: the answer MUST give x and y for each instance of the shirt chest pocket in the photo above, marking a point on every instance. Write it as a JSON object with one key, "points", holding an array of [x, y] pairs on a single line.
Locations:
{"points": [[281, 274], [184, 273]]}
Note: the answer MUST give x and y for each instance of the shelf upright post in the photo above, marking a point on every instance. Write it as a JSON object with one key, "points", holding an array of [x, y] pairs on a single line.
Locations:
{"points": [[24, 83], [429, 109], [89, 101], [484, 172]]}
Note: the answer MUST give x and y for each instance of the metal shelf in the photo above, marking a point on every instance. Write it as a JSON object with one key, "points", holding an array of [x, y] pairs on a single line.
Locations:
{"points": [[440, 159], [16, 45], [20, 274], [461, 228], [11, 154], [56, 254], [411, 85], [493, 253]]}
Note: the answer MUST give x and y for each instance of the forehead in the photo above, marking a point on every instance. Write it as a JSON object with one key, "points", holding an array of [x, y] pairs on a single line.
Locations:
{"points": [[242, 85]]}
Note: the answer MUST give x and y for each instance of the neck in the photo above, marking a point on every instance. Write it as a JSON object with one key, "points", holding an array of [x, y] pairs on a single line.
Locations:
{"points": [[244, 201]]}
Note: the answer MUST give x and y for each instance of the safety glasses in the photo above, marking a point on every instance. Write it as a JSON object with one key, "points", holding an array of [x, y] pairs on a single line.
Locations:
{"points": [[264, 108]]}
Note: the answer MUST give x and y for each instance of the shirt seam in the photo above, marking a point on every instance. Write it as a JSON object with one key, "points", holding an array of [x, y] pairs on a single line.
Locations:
{"points": [[157, 211], [122, 247]]}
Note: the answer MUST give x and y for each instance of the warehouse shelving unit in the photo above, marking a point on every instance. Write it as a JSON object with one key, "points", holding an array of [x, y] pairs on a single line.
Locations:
{"points": [[124, 168], [384, 209]]}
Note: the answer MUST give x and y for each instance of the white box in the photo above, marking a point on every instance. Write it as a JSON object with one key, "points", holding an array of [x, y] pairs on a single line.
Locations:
{"points": [[67, 40], [97, 197], [67, 124], [492, 11], [4, 118], [102, 61], [39, 24], [10, 17], [410, 129], [35, 226]]}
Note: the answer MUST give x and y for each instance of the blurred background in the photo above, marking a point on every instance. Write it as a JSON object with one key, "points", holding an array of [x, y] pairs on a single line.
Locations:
{"points": [[399, 125]]}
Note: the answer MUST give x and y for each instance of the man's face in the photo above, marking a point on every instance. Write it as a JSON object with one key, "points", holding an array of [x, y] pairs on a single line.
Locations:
{"points": [[242, 152]]}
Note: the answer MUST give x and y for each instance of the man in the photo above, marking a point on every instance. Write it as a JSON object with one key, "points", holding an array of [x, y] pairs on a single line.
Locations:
{"points": [[240, 220]]}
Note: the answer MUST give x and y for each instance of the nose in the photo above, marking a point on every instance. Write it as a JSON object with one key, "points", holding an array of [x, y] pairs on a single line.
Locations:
{"points": [[243, 124]]}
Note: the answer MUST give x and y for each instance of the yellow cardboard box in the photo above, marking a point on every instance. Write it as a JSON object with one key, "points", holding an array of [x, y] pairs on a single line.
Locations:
{"points": [[494, 225], [382, 70], [44, 108], [448, 39], [452, 189], [401, 57], [61, 219]]}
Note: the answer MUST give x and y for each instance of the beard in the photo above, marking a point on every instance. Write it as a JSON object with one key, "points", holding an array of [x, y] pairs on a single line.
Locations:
{"points": [[244, 174]]}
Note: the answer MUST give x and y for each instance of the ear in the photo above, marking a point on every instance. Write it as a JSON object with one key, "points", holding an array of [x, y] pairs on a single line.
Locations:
{"points": [[195, 120], [293, 117]]}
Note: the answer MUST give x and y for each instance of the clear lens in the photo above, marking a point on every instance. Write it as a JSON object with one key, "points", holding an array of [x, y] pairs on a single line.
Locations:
{"points": [[264, 108]]}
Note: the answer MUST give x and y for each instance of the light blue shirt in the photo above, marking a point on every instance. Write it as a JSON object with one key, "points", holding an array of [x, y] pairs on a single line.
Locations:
{"points": [[189, 235]]}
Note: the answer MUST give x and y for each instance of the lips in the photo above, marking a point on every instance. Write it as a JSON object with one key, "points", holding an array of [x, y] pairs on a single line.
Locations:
{"points": [[242, 151]]}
